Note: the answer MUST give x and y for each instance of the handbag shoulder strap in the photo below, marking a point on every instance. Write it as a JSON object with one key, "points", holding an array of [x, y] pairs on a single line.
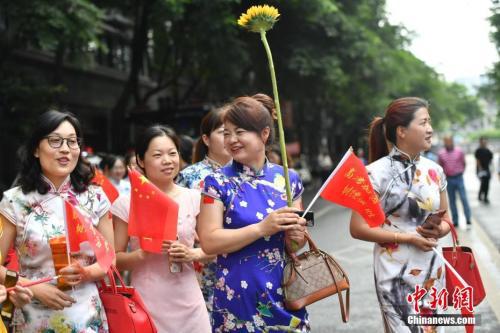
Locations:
{"points": [[111, 277], [453, 231], [344, 309]]}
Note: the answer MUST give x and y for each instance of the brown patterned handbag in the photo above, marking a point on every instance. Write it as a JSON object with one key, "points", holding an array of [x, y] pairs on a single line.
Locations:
{"points": [[311, 276]]}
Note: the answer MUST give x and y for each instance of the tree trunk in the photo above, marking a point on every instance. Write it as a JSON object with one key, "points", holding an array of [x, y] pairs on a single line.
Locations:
{"points": [[119, 129]]}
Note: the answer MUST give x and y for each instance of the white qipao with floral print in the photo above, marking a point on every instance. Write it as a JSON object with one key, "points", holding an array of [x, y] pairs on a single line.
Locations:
{"points": [[248, 296], [409, 191], [39, 217]]}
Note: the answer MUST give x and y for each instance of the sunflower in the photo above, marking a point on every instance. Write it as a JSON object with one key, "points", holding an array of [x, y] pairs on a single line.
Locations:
{"points": [[259, 18]]}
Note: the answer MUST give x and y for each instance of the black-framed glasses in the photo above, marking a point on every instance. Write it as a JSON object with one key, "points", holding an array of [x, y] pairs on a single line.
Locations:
{"points": [[55, 141]]}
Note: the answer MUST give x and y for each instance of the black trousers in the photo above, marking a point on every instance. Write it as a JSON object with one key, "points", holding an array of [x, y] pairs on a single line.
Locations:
{"points": [[484, 188]]}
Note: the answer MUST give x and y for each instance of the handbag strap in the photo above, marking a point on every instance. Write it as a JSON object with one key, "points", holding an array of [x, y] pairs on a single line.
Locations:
{"points": [[453, 231], [312, 247], [111, 276], [344, 309], [454, 234]]}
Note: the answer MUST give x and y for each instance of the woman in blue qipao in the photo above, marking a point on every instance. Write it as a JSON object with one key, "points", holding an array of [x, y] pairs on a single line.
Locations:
{"points": [[244, 219]]}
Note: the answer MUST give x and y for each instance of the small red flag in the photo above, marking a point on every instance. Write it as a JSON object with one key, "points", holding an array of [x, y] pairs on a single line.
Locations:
{"points": [[153, 214], [108, 188], [349, 186], [80, 229]]}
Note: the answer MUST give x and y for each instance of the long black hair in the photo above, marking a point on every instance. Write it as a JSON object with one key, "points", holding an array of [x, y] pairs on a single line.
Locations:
{"points": [[30, 178]]}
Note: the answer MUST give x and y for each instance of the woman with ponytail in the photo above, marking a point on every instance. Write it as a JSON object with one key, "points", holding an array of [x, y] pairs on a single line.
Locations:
{"points": [[209, 152], [209, 155], [245, 220], [412, 192]]}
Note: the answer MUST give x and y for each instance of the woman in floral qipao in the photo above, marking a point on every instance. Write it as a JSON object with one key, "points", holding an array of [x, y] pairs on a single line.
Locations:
{"points": [[53, 170], [410, 187], [244, 219]]}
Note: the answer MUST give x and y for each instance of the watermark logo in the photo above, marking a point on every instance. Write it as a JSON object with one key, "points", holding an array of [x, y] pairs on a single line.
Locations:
{"points": [[461, 299]]}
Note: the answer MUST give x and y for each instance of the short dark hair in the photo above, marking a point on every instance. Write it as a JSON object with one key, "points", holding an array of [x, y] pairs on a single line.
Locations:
{"points": [[30, 178], [253, 114], [186, 144], [153, 131], [109, 160]]}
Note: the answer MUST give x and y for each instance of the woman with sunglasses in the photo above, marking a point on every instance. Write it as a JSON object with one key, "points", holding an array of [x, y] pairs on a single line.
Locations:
{"points": [[33, 213]]}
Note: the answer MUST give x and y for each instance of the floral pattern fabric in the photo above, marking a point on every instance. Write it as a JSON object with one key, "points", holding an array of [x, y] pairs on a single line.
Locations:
{"points": [[248, 296], [38, 218], [409, 191], [193, 177]]}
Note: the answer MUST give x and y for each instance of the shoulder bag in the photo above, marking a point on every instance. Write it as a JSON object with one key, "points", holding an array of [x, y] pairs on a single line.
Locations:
{"points": [[311, 276], [124, 307], [462, 259]]}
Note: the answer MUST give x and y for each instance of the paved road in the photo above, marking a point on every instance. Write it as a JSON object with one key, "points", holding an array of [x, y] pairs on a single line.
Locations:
{"points": [[331, 234]]}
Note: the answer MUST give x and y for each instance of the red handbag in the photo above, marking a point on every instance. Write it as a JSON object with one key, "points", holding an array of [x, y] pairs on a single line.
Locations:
{"points": [[462, 259], [124, 307]]}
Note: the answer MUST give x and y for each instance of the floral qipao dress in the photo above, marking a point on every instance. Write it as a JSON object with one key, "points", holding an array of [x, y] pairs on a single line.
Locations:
{"points": [[248, 296], [409, 191], [193, 177], [38, 218]]}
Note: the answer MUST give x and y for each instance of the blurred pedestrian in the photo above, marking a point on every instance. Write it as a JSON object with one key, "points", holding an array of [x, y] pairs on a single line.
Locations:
{"points": [[209, 155], [411, 188], [131, 160], [174, 299], [429, 153], [52, 170], [484, 156], [186, 146], [113, 167], [273, 154], [452, 159], [244, 219], [360, 153]]}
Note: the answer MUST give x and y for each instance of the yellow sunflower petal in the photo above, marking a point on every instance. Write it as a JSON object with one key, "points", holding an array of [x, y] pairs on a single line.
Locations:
{"points": [[259, 18]]}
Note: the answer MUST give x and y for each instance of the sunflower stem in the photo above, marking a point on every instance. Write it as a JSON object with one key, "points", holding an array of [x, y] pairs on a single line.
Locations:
{"points": [[281, 133]]}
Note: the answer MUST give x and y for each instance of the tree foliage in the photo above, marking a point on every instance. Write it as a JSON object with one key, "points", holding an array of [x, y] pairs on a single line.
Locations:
{"points": [[491, 89], [339, 62]]}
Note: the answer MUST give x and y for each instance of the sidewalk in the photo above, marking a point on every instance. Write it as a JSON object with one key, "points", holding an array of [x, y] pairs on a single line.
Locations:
{"points": [[487, 215], [331, 234], [484, 239]]}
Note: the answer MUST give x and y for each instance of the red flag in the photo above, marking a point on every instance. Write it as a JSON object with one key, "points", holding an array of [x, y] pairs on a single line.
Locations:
{"points": [[349, 186], [108, 188], [80, 229], [153, 214]]}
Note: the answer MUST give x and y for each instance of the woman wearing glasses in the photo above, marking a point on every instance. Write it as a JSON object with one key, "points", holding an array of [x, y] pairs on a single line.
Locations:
{"points": [[33, 213]]}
